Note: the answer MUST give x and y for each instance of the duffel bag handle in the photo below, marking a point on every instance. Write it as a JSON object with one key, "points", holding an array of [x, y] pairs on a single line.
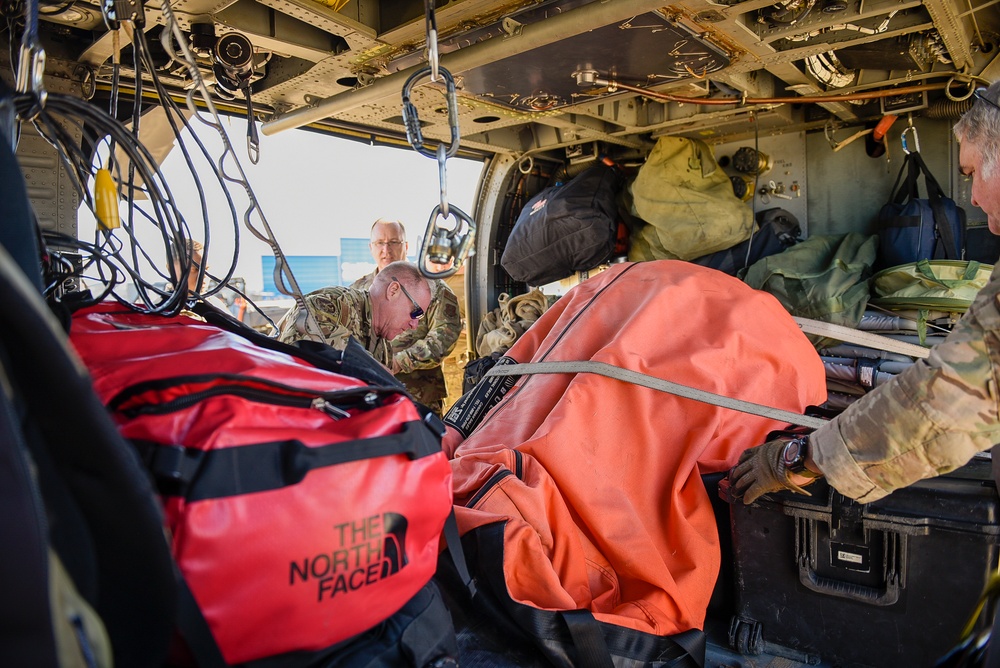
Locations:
{"points": [[196, 474], [935, 196], [926, 269], [908, 191]]}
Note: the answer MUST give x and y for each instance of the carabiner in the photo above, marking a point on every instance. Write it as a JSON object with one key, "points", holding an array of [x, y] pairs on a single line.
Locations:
{"points": [[411, 118], [253, 139], [916, 140], [443, 246], [31, 73]]}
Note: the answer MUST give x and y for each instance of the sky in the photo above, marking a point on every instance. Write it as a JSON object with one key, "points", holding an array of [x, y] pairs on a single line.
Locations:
{"points": [[312, 190]]}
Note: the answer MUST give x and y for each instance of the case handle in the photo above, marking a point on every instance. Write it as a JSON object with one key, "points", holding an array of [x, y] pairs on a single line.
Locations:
{"points": [[893, 568], [852, 592]]}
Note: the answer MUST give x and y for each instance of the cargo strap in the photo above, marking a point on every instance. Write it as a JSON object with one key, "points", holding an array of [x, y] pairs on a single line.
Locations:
{"points": [[652, 382], [808, 326], [862, 338]]}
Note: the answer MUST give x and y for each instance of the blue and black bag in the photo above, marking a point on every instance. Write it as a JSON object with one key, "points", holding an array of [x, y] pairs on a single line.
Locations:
{"points": [[777, 230], [913, 229]]}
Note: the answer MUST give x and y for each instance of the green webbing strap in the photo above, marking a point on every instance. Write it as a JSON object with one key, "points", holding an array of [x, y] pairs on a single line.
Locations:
{"points": [[862, 338], [652, 382]]}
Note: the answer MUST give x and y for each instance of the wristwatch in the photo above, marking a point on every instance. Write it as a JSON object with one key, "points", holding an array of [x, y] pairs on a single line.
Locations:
{"points": [[793, 457]]}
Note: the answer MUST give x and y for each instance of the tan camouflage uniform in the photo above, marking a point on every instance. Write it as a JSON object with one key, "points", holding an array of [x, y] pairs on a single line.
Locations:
{"points": [[453, 365], [418, 352], [929, 420], [341, 313]]}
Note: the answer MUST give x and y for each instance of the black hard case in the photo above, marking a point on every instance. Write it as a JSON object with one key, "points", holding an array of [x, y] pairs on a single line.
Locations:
{"points": [[889, 583]]}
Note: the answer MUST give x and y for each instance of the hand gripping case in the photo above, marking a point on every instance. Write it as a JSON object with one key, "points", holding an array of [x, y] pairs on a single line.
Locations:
{"points": [[889, 583]]}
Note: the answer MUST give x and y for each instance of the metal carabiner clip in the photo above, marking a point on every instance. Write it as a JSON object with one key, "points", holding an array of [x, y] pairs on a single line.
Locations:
{"points": [[444, 246], [906, 144], [31, 73], [411, 118], [442, 160], [916, 138]]}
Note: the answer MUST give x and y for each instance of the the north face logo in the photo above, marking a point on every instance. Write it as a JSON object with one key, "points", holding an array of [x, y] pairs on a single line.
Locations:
{"points": [[364, 552], [394, 544]]}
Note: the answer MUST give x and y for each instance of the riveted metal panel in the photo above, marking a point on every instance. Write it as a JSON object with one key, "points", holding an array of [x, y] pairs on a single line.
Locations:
{"points": [[953, 32], [52, 195], [785, 177]]}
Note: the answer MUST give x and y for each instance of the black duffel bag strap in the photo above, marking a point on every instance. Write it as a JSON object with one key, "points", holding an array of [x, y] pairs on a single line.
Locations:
{"points": [[457, 553], [904, 190], [693, 642], [935, 196], [592, 650], [196, 474], [194, 629]]}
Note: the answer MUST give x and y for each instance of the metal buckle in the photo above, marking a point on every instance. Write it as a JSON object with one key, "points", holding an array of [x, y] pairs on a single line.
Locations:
{"points": [[442, 246]]}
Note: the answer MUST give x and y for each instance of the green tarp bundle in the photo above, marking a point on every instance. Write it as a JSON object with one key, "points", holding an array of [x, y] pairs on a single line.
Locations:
{"points": [[823, 278]]}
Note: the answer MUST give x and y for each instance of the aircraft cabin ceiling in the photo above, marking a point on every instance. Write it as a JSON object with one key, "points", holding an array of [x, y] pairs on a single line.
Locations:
{"points": [[554, 74]]}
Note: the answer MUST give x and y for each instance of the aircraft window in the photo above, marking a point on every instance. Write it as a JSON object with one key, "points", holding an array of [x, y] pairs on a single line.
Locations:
{"points": [[320, 195]]}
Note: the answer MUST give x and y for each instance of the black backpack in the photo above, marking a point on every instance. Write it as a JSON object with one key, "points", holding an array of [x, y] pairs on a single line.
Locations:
{"points": [[565, 228]]}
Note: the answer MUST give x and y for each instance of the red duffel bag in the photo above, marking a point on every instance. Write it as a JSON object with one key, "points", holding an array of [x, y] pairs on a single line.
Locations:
{"points": [[305, 506]]}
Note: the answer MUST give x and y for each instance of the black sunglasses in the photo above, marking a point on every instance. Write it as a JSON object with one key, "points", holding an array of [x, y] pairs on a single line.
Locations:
{"points": [[980, 95], [417, 313]]}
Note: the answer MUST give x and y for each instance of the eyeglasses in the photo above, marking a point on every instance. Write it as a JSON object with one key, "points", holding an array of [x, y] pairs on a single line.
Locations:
{"points": [[388, 244], [980, 95], [417, 313]]}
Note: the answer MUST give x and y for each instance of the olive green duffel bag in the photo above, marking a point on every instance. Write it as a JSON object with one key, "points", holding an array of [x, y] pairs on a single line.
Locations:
{"points": [[686, 204], [929, 289]]}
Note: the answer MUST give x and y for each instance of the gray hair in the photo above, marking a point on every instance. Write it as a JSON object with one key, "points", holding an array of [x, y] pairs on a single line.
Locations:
{"points": [[405, 272], [981, 126]]}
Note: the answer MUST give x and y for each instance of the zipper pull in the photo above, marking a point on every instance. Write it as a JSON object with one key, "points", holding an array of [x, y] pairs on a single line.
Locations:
{"points": [[321, 404]]}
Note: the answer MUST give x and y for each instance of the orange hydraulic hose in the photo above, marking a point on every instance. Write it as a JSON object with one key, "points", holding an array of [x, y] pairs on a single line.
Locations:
{"points": [[878, 134]]}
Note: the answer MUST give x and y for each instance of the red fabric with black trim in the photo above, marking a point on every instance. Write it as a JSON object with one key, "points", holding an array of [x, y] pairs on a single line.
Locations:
{"points": [[294, 567], [606, 510]]}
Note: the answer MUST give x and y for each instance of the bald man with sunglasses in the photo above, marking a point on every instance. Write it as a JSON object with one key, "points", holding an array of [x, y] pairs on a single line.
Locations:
{"points": [[395, 303]]}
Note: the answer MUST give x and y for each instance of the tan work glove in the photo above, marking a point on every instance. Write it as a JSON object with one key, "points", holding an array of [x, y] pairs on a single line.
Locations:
{"points": [[761, 471]]}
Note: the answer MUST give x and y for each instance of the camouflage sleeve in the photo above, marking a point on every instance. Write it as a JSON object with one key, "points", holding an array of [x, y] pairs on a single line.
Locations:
{"points": [[331, 315], [363, 283], [929, 420], [444, 327]]}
